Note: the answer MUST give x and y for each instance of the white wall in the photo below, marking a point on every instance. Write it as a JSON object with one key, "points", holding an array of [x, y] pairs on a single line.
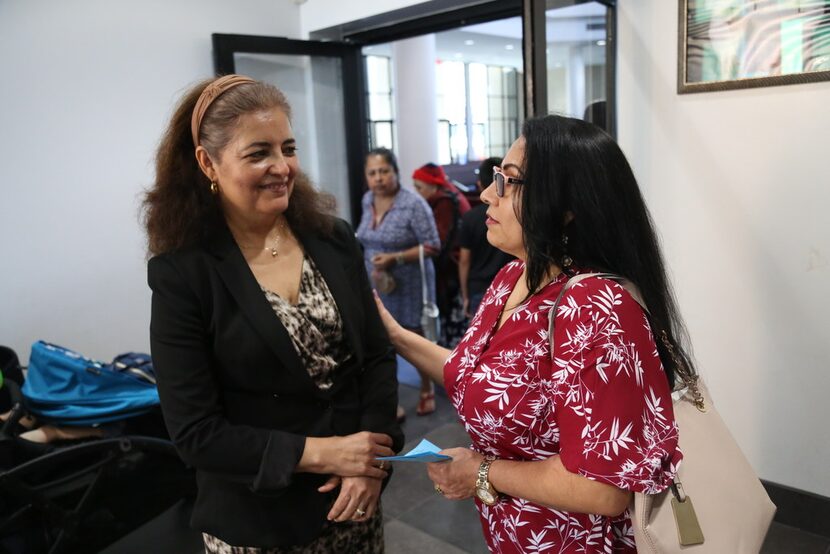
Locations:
{"points": [[87, 88], [739, 185]]}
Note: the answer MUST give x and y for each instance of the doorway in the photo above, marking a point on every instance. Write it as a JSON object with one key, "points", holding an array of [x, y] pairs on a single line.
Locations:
{"points": [[496, 63]]}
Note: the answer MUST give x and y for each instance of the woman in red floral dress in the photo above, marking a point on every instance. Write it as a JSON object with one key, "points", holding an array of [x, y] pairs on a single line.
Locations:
{"points": [[559, 446]]}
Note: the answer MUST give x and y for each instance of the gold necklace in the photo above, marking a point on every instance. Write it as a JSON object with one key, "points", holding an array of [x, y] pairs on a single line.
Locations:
{"points": [[271, 249]]}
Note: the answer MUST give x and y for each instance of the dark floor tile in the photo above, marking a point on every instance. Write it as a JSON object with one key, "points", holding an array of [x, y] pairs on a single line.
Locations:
{"points": [[449, 435], [409, 487], [454, 522], [404, 539], [169, 533], [410, 498], [783, 539], [415, 426]]}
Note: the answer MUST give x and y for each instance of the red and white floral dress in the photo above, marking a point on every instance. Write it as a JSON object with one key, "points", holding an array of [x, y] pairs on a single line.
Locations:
{"points": [[604, 406]]}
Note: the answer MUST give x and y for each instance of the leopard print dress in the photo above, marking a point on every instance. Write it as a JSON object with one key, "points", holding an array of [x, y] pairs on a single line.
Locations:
{"points": [[316, 330]]}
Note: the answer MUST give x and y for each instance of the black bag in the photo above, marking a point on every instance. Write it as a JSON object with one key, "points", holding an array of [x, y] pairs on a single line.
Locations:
{"points": [[10, 370]]}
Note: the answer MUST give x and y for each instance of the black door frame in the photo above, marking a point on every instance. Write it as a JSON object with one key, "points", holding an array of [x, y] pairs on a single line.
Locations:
{"points": [[354, 102]]}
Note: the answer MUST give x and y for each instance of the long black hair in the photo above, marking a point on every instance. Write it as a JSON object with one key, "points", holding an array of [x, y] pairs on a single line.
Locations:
{"points": [[581, 201]]}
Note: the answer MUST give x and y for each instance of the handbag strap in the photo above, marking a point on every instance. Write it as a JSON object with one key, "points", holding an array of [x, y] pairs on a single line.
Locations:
{"points": [[689, 379], [424, 292], [626, 284]]}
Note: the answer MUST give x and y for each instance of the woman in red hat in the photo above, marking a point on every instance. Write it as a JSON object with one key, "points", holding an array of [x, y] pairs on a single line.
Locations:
{"points": [[448, 205]]}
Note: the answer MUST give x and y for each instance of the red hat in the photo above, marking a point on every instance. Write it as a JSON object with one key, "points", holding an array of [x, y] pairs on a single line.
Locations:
{"points": [[431, 174]]}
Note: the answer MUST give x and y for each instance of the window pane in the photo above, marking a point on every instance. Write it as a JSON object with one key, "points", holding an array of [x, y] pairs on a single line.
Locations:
{"points": [[444, 153], [458, 144], [496, 107], [494, 81], [380, 106], [496, 132], [383, 136], [381, 117], [451, 91], [576, 62], [377, 74], [478, 92]]}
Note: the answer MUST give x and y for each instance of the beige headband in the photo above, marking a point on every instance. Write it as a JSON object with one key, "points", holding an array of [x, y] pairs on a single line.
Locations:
{"points": [[211, 93]]}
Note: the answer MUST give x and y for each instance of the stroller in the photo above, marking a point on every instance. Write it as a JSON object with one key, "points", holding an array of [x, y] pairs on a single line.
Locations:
{"points": [[80, 495]]}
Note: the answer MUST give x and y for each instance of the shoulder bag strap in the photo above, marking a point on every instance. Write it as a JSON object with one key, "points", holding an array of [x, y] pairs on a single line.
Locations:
{"points": [[688, 378], [626, 284], [424, 293]]}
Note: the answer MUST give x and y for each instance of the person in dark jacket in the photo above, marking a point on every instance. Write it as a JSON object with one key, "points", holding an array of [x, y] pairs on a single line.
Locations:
{"points": [[276, 376], [478, 260]]}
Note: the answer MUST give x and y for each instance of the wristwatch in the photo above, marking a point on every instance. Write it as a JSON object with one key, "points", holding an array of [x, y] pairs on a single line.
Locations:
{"points": [[484, 489]]}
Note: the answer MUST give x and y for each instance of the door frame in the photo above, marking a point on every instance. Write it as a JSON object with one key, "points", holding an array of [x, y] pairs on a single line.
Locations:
{"points": [[354, 102]]}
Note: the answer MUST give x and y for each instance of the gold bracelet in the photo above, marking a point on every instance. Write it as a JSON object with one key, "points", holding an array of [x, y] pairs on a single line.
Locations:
{"points": [[399, 258]]}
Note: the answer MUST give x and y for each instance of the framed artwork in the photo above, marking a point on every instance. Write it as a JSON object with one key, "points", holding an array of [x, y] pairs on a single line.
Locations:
{"points": [[730, 44]]}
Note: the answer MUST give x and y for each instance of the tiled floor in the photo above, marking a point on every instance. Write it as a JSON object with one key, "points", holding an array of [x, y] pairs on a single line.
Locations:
{"points": [[419, 520]]}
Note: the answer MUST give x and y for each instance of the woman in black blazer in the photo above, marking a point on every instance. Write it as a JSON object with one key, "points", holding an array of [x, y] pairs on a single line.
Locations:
{"points": [[276, 376]]}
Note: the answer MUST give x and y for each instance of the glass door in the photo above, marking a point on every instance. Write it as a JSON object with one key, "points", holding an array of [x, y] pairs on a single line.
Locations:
{"points": [[570, 55], [324, 85]]}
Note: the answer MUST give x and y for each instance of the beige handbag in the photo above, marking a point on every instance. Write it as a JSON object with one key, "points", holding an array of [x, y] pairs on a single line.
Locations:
{"points": [[716, 503]]}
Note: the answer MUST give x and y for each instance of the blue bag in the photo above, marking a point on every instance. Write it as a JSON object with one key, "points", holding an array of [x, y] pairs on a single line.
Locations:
{"points": [[65, 388]]}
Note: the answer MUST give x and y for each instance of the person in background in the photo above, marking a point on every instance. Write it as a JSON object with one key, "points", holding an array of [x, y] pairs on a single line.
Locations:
{"points": [[448, 206], [478, 260], [276, 377], [394, 223], [559, 446], [597, 113]]}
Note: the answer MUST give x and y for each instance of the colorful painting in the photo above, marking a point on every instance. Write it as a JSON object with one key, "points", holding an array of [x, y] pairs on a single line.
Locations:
{"points": [[726, 44]]}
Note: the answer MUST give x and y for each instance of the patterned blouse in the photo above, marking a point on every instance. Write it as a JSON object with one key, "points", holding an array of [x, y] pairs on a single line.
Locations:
{"points": [[408, 222], [604, 406], [314, 325]]}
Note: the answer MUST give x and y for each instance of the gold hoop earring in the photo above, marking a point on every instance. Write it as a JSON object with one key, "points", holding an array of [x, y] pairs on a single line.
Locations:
{"points": [[214, 188]]}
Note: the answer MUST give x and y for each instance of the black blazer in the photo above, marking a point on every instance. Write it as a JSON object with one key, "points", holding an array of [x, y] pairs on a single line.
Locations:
{"points": [[236, 398]]}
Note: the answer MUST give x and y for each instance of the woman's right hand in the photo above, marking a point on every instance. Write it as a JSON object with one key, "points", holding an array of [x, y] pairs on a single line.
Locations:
{"points": [[350, 456], [384, 260], [393, 328]]}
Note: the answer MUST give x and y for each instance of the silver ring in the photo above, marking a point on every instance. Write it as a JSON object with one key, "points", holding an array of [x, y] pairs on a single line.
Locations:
{"points": [[382, 465], [360, 513]]}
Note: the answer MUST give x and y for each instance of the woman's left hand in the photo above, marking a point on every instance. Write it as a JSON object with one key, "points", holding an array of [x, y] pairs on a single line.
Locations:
{"points": [[358, 498], [456, 478]]}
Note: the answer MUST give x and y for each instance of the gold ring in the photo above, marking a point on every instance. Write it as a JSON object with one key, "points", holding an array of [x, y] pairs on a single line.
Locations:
{"points": [[382, 465], [360, 513], [438, 490]]}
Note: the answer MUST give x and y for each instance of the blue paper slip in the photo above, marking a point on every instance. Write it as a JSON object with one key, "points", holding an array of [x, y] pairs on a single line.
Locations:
{"points": [[424, 452]]}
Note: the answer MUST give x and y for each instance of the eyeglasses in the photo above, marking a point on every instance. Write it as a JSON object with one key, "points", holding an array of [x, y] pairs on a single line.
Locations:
{"points": [[500, 179]]}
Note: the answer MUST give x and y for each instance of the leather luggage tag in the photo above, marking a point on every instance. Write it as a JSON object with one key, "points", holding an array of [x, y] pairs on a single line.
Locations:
{"points": [[688, 528]]}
